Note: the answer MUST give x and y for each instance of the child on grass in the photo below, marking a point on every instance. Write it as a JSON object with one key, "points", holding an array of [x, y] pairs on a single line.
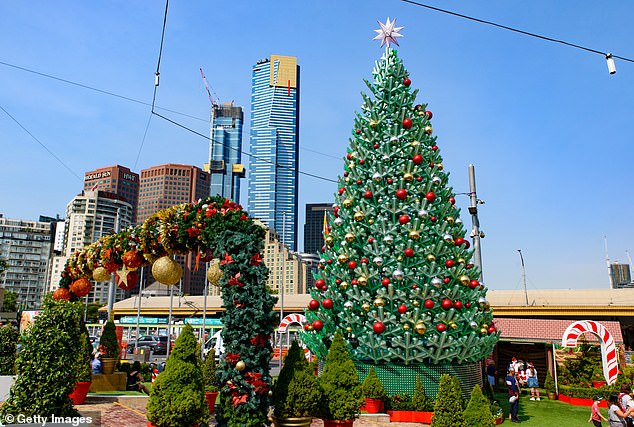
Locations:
{"points": [[595, 414]]}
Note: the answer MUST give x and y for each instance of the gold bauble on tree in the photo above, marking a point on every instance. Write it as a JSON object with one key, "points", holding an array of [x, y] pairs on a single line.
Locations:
{"points": [[415, 143], [440, 166], [414, 235], [330, 240], [365, 306], [483, 331], [348, 329], [240, 366], [428, 130], [464, 280], [213, 272], [167, 271], [100, 274], [342, 258], [406, 327], [349, 237], [461, 261], [431, 258], [415, 303], [362, 280], [420, 328], [379, 302], [344, 285], [347, 203], [359, 216], [408, 177]]}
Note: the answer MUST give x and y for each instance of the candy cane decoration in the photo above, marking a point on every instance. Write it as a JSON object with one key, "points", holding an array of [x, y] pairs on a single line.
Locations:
{"points": [[291, 319], [608, 348]]}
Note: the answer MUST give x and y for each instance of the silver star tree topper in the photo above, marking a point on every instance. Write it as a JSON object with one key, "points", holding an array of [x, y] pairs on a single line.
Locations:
{"points": [[388, 33]]}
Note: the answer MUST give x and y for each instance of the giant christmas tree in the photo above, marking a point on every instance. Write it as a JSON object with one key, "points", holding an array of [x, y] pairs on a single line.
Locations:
{"points": [[396, 274]]}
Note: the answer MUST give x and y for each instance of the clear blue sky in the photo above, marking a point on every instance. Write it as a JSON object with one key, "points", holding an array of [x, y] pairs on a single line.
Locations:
{"points": [[549, 130]]}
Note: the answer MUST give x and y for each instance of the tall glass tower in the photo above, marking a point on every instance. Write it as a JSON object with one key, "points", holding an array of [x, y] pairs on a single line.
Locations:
{"points": [[225, 148], [273, 168]]}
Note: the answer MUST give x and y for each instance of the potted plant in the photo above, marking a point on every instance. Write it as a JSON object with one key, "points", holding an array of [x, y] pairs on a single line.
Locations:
{"points": [[109, 348], [549, 385], [209, 377], [82, 368], [296, 394], [8, 343], [421, 404], [177, 398], [497, 413], [340, 384], [597, 377], [448, 408], [478, 411], [45, 363], [373, 392]]}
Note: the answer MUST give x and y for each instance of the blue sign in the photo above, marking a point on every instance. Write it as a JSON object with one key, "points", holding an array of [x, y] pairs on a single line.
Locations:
{"points": [[199, 321], [143, 320]]}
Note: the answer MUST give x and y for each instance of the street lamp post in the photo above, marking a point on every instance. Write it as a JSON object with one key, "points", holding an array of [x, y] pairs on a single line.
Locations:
{"points": [[138, 312], [111, 286], [473, 210]]}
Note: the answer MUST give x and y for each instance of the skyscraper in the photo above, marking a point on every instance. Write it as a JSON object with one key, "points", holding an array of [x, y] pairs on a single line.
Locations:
{"points": [[25, 246], [225, 151], [117, 180], [620, 275], [314, 226], [273, 167], [167, 185]]}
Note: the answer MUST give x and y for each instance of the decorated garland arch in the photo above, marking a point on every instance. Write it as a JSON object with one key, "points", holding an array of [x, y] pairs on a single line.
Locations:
{"points": [[212, 228]]}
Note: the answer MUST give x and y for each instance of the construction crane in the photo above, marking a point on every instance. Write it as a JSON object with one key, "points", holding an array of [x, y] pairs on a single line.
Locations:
{"points": [[202, 74]]}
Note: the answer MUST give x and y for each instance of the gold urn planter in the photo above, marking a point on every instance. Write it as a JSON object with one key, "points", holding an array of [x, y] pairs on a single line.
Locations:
{"points": [[292, 422]]}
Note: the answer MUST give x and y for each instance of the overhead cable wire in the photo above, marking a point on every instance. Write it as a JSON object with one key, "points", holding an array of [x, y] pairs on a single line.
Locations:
{"points": [[105, 92], [505, 27], [41, 143], [158, 64]]}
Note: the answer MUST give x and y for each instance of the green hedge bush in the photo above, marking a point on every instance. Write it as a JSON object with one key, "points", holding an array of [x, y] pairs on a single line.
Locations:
{"points": [[449, 406], [8, 344], [478, 411], [373, 387]]}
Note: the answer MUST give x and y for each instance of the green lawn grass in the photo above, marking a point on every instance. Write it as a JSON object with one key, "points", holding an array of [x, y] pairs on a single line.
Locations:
{"points": [[546, 413], [122, 392]]}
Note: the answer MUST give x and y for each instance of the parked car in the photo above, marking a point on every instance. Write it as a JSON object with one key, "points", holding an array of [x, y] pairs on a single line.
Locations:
{"points": [[216, 343], [158, 344]]}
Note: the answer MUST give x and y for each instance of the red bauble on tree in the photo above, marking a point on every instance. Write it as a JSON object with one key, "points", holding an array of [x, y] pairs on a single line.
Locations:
{"points": [[385, 281], [452, 200], [429, 114], [474, 284], [342, 190], [441, 327], [430, 196], [459, 241], [407, 123], [401, 194], [446, 304], [429, 304], [446, 280], [318, 325], [457, 305], [378, 327], [352, 265], [368, 194], [403, 219], [327, 304], [402, 309], [364, 260], [491, 330], [320, 283], [407, 81], [434, 148], [450, 263], [418, 159], [313, 304], [409, 252]]}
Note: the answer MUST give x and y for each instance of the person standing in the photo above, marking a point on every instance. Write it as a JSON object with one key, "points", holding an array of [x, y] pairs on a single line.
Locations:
{"points": [[491, 374], [533, 383], [595, 415], [616, 416], [514, 396], [627, 402]]}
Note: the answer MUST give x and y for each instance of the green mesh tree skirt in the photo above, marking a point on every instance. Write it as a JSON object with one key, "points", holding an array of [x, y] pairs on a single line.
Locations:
{"points": [[402, 378]]}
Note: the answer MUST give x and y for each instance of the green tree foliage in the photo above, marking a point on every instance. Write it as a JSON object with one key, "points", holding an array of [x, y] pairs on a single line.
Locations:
{"points": [[92, 315], [372, 386], [343, 395], [8, 342], [296, 392], [448, 407], [209, 371], [396, 225], [420, 401], [10, 302], [549, 383], [108, 343], [4, 265], [46, 362], [177, 398], [84, 353], [478, 411]]}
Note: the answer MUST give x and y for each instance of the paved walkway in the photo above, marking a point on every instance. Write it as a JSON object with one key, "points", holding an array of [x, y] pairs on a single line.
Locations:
{"points": [[129, 411]]}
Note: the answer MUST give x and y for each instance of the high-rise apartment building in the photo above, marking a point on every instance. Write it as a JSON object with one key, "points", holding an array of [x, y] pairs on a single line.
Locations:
{"points": [[274, 165], [225, 151], [167, 185], [314, 226], [620, 275], [90, 216], [26, 246], [117, 180]]}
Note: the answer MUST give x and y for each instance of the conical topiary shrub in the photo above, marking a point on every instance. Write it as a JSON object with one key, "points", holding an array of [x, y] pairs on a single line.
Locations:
{"points": [[448, 408], [46, 363], [177, 398], [478, 412], [108, 343], [340, 384], [420, 401], [372, 386]]}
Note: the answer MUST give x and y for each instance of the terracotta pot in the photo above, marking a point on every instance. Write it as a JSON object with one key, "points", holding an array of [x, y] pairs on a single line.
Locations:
{"points": [[338, 423], [499, 420], [597, 384], [211, 400], [552, 396], [292, 422], [373, 406], [108, 364], [79, 393]]}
